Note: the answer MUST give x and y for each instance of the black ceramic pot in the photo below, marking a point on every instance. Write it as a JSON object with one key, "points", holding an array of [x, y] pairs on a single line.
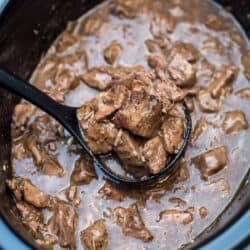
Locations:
{"points": [[20, 51]]}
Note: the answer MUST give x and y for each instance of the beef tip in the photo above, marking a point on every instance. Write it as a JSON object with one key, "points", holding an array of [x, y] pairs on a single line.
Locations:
{"points": [[131, 222], [234, 122], [182, 72], [111, 192], [203, 212], [177, 201], [223, 78], [71, 194], [32, 146], [113, 52], [152, 46], [52, 167], [211, 162], [190, 103], [23, 188], [200, 127], [98, 78], [140, 114], [110, 101], [91, 25], [243, 93], [157, 62], [174, 215], [215, 22], [128, 8], [22, 113], [95, 237], [66, 41], [207, 103], [172, 132], [187, 50], [101, 136], [83, 172], [155, 155], [245, 60], [63, 223]]}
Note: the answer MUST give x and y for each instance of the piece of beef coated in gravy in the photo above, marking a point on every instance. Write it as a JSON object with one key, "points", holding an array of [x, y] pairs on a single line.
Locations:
{"points": [[174, 215], [113, 52], [243, 93], [141, 114], [234, 122], [155, 155], [172, 133], [63, 223], [211, 161], [111, 192], [95, 237], [131, 222]]}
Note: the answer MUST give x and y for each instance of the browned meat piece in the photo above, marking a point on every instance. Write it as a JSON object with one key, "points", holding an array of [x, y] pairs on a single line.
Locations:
{"points": [[111, 192], [22, 113], [157, 62], [63, 223], [207, 103], [182, 173], [100, 78], [128, 8], [190, 103], [95, 237], [83, 172], [154, 154], [101, 136], [199, 128], [141, 114], [203, 212], [177, 201], [234, 122], [23, 188], [245, 59], [32, 146], [152, 46], [211, 161], [52, 167], [131, 222], [162, 24], [182, 72], [223, 79], [113, 52], [243, 93], [91, 25], [128, 149], [71, 194], [173, 130], [174, 215], [215, 22], [66, 41], [187, 50]]}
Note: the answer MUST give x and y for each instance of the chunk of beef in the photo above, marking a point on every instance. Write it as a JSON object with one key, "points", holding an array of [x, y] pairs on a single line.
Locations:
{"points": [[152, 46], [190, 103], [91, 25], [243, 93], [132, 224], [182, 72], [207, 103], [223, 79], [22, 113], [127, 8], [71, 194], [174, 215], [51, 167], [95, 237], [245, 60], [215, 22], [155, 155], [113, 52], [32, 146], [128, 149], [66, 41], [187, 50], [203, 212], [24, 189], [141, 114], [177, 201], [63, 223], [172, 131], [83, 172], [111, 192], [157, 62], [234, 122], [200, 127], [211, 161]]}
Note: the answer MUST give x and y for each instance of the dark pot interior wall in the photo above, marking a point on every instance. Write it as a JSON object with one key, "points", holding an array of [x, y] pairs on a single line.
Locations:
{"points": [[20, 50]]}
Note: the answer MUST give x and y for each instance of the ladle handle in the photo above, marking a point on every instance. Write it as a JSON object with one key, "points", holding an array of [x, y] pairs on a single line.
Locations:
{"points": [[32, 94]]}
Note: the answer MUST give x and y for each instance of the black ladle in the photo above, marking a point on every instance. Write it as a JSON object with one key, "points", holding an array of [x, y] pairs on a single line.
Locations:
{"points": [[67, 116]]}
